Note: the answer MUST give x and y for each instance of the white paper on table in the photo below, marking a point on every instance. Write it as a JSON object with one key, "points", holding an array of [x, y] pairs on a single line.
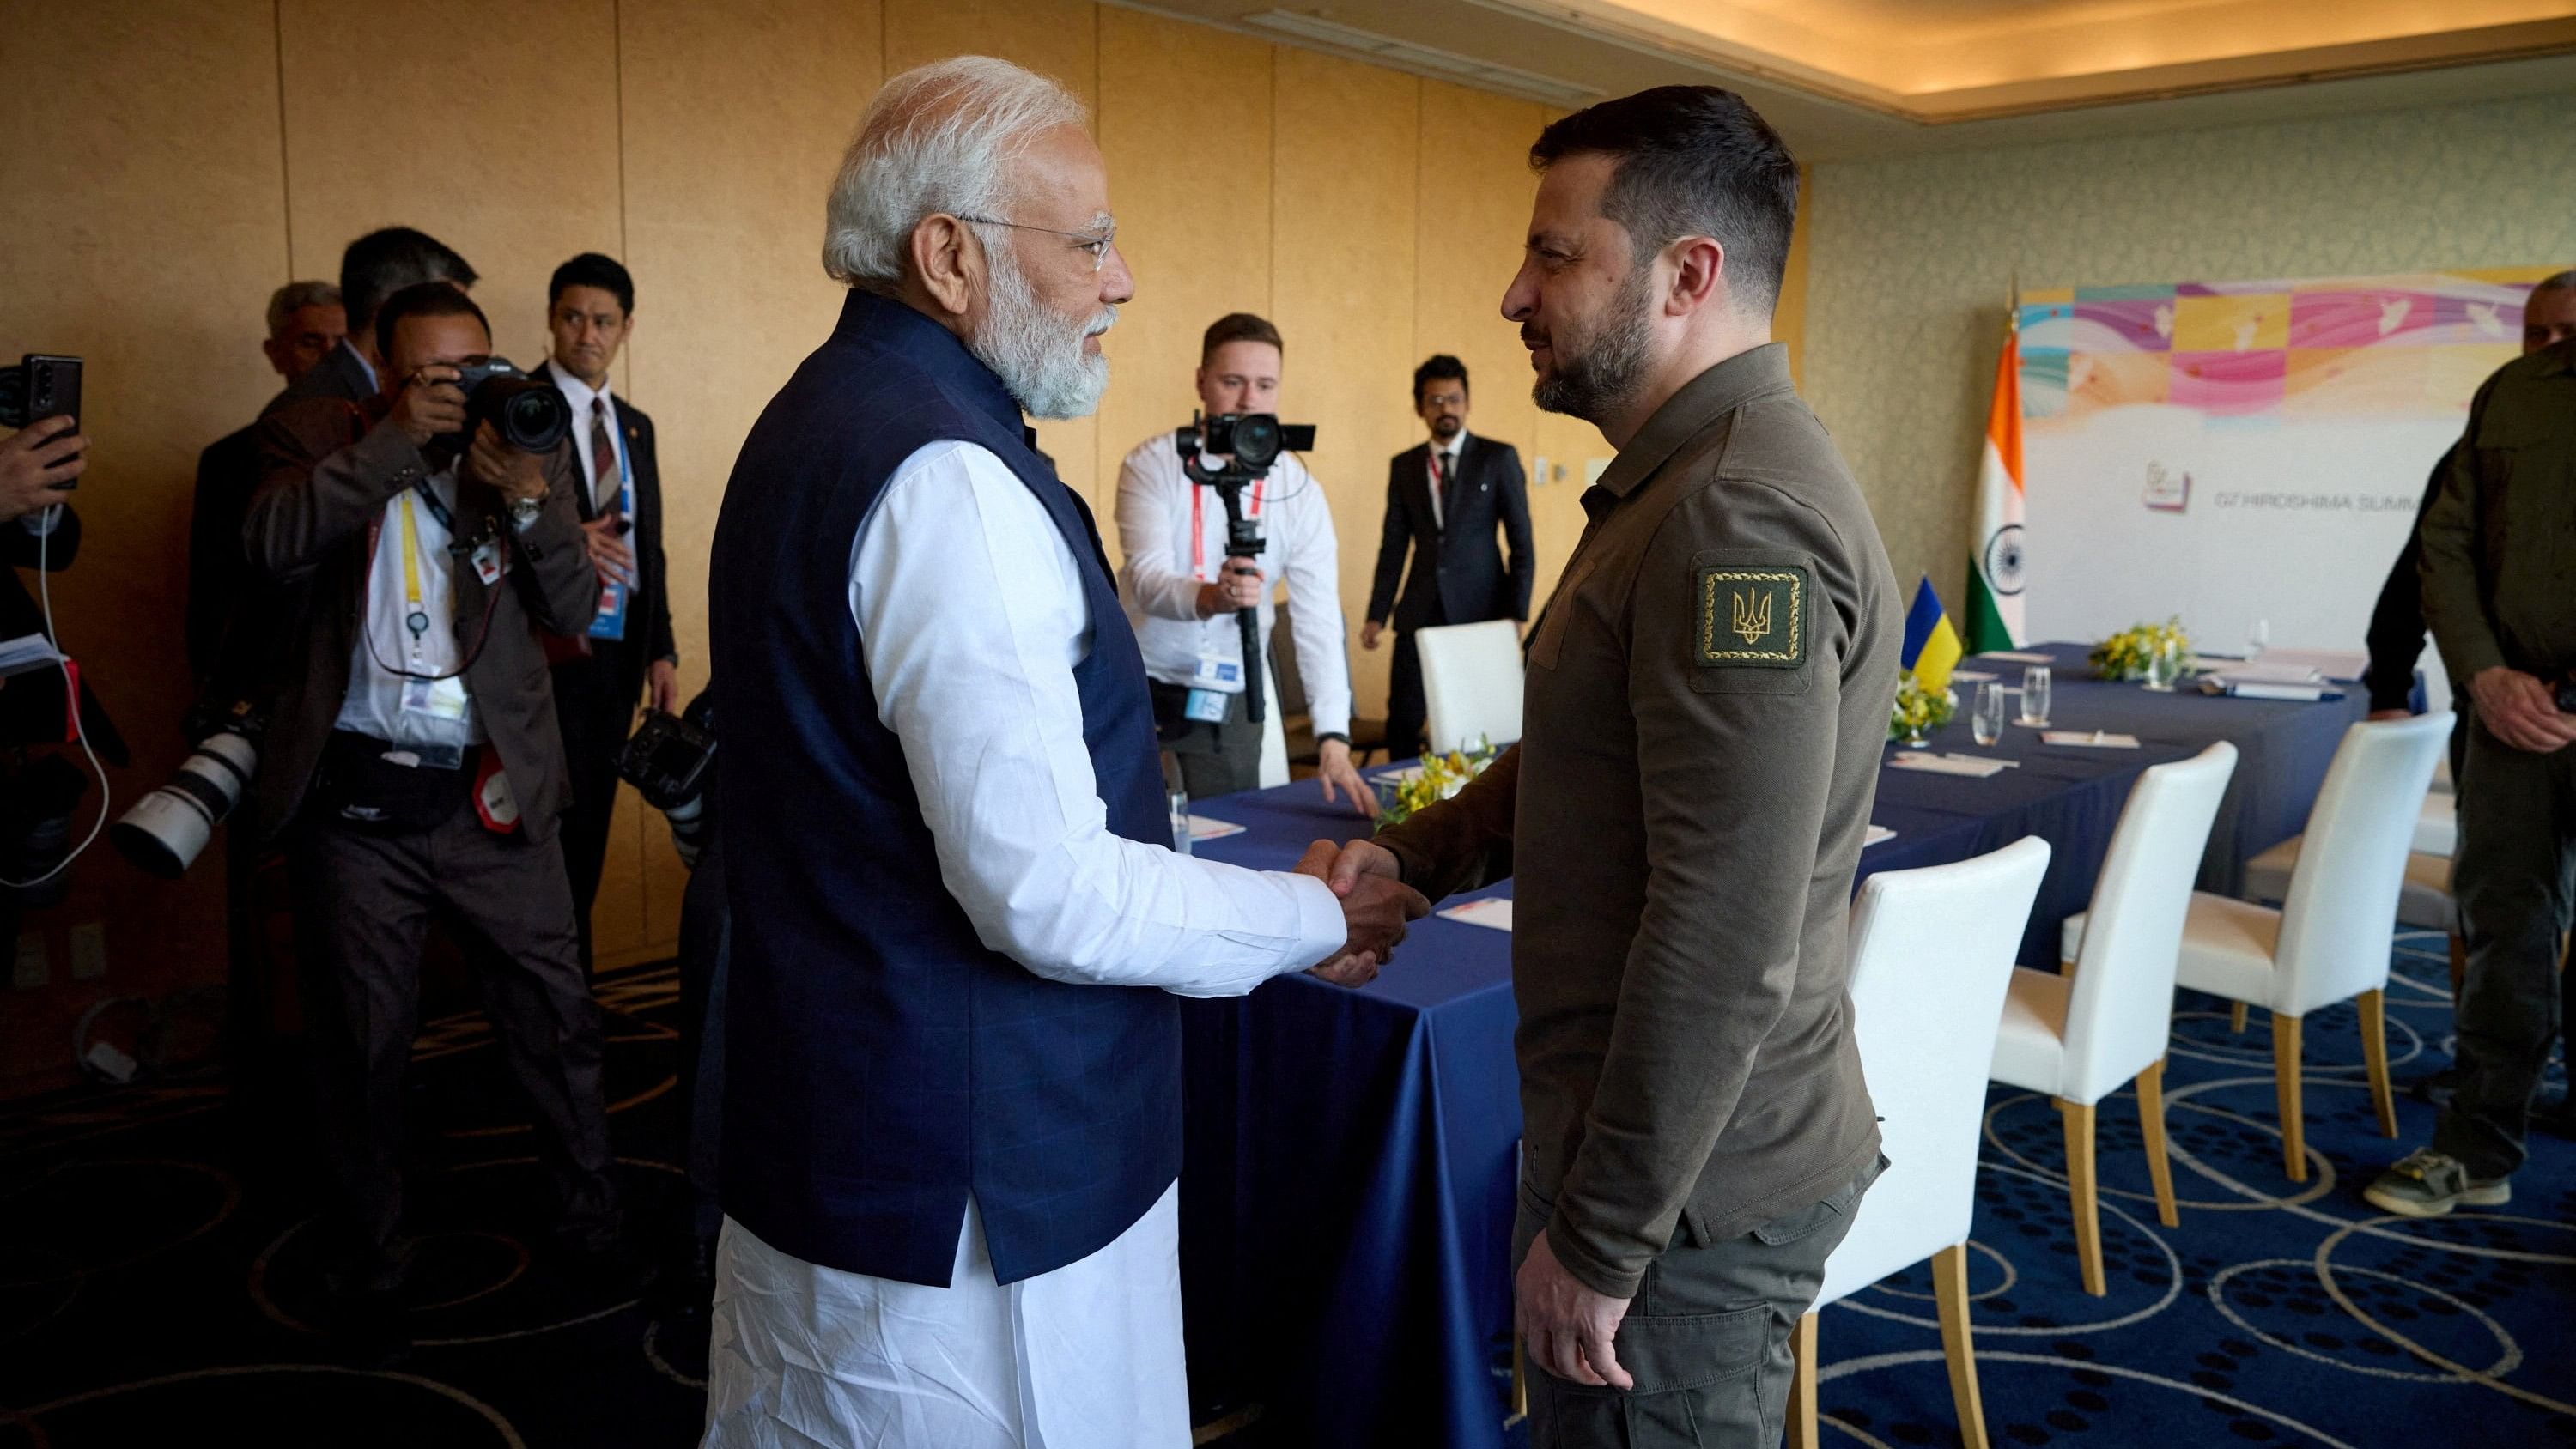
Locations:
{"points": [[2018, 656], [1405, 776], [1931, 764], [1496, 913], [2089, 739], [1203, 827], [2344, 665], [2262, 689], [2266, 672], [1974, 676], [1876, 834]]}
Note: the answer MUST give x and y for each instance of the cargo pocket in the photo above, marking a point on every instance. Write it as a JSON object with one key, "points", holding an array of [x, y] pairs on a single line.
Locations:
{"points": [[1699, 1380]]}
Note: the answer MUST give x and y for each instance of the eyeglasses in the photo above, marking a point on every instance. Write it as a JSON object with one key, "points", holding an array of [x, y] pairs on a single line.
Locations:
{"points": [[1097, 243]]}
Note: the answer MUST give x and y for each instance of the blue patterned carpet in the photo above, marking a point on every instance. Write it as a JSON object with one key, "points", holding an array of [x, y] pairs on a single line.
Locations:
{"points": [[2277, 1313]]}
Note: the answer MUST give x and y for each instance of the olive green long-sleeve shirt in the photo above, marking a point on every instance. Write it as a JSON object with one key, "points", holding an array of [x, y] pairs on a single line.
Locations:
{"points": [[2499, 560], [1705, 710]]}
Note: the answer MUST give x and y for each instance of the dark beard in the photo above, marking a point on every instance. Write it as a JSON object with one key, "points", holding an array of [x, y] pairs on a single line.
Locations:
{"points": [[1602, 380]]}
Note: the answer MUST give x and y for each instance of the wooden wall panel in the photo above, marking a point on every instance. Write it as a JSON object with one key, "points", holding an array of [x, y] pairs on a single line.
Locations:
{"points": [[500, 140], [724, 232], [144, 228], [1052, 37], [1193, 217], [1345, 146]]}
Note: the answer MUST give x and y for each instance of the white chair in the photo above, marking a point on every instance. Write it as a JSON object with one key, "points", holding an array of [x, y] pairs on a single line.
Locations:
{"points": [[2079, 1035], [1931, 951], [2329, 940], [1471, 683], [2423, 898]]}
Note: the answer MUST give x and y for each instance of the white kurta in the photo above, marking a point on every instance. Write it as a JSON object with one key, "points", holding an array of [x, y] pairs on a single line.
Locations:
{"points": [[971, 617]]}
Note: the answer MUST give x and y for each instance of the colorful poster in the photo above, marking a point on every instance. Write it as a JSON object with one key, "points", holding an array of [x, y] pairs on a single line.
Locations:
{"points": [[2235, 452]]}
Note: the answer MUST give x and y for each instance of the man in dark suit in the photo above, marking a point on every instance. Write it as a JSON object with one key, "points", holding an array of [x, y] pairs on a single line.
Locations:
{"points": [[1444, 498], [413, 768], [590, 310]]}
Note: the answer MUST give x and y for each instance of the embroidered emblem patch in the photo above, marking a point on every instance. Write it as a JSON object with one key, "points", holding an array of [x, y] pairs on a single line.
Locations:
{"points": [[1754, 617]]}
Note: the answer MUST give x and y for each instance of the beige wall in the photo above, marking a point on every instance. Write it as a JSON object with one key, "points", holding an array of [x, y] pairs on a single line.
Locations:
{"points": [[1910, 261], [179, 160]]}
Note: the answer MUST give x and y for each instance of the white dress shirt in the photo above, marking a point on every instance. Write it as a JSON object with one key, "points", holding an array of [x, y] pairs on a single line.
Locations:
{"points": [[444, 712], [971, 618], [1438, 458], [1160, 580], [584, 398]]}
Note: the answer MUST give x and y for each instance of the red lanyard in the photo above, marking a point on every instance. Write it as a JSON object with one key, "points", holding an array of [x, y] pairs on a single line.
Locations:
{"points": [[1198, 527]]}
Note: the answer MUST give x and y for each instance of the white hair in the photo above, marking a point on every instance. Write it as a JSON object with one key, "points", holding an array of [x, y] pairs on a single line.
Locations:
{"points": [[936, 139]]}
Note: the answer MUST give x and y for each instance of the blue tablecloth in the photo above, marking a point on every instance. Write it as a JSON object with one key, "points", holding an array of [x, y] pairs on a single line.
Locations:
{"points": [[1346, 1195]]}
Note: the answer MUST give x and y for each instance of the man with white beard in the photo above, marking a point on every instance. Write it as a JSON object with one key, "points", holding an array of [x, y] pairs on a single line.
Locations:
{"points": [[952, 1116]]}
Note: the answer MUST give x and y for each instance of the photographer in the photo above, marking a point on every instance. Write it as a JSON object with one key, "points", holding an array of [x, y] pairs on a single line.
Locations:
{"points": [[1182, 590], [413, 765]]}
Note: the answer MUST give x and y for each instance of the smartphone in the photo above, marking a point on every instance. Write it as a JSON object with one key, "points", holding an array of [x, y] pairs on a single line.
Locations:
{"points": [[42, 386]]}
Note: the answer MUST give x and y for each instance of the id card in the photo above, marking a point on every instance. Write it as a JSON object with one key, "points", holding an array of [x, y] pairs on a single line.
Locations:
{"points": [[1218, 676], [442, 699], [487, 561], [1206, 706], [609, 622]]}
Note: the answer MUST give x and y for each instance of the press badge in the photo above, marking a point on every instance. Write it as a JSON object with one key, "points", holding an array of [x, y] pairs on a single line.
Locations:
{"points": [[609, 621], [439, 699], [487, 561], [1218, 676], [1205, 705]]}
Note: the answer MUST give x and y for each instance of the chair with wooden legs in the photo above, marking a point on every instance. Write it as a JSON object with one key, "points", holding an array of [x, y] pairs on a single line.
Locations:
{"points": [[1930, 951], [2329, 940], [2080, 1034]]}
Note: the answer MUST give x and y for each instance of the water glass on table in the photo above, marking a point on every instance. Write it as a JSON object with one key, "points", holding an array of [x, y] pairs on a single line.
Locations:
{"points": [[1180, 806], [2036, 682], [1987, 723]]}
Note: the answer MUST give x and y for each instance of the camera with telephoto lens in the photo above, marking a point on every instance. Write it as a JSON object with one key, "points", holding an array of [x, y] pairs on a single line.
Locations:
{"points": [[166, 830], [667, 761], [530, 416]]}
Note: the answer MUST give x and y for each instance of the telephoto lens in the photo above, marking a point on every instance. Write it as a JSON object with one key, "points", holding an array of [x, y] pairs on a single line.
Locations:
{"points": [[530, 416], [166, 829]]}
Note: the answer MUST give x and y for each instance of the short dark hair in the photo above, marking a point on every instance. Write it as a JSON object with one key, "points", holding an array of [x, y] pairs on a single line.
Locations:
{"points": [[384, 262], [1440, 368], [1691, 161], [423, 299], [1238, 327], [591, 269]]}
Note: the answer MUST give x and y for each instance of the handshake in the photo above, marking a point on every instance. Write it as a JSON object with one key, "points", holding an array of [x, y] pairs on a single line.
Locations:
{"points": [[1376, 903]]}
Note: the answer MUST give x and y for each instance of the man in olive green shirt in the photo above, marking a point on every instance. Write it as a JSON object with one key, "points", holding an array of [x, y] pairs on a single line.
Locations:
{"points": [[2499, 571], [1706, 704]]}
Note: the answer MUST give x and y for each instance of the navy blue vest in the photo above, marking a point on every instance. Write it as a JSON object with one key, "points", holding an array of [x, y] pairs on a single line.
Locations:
{"points": [[881, 1062]]}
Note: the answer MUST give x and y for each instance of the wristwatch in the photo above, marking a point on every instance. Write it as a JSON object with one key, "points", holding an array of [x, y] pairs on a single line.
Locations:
{"points": [[524, 511], [1332, 735]]}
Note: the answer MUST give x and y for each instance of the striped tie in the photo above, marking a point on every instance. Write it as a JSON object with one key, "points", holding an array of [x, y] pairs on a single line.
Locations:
{"points": [[603, 459]]}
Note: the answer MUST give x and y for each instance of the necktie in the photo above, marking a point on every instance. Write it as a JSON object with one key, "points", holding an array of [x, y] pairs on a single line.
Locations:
{"points": [[603, 459], [1444, 466]]}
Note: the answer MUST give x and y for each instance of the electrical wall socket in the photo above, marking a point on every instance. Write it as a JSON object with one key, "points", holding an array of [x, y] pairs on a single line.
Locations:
{"points": [[32, 970], [89, 951]]}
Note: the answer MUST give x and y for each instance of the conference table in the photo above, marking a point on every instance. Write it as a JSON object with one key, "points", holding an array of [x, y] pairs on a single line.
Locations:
{"points": [[1347, 1187]]}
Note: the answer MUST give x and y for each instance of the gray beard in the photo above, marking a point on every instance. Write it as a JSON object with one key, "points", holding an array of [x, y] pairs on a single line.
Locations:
{"points": [[1037, 354], [1605, 378]]}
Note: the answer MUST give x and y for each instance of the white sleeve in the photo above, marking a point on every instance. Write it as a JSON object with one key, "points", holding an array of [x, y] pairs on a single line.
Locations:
{"points": [[971, 617], [1313, 566], [1147, 539]]}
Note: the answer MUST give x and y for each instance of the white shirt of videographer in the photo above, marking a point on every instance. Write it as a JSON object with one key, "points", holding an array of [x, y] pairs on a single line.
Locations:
{"points": [[1173, 533]]}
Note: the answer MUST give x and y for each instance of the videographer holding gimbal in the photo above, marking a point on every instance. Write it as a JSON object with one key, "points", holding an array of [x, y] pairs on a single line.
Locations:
{"points": [[414, 764], [1184, 583]]}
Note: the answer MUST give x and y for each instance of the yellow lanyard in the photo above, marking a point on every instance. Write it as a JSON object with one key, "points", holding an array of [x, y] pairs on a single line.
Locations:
{"points": [[415, 617]]}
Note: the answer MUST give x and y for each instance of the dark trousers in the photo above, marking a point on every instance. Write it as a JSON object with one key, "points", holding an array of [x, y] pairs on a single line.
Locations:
{"points": [[596, 711], [1706, 1337], [363, 904], [706, 942], [1405, 711], [1214, 759], [2512, 877]]}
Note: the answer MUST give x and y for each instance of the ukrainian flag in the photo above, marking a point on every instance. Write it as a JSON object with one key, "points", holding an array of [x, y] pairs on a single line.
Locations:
{"points": [[1931, 645]]}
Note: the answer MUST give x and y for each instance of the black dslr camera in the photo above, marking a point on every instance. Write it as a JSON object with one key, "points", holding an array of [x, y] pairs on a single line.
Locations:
{"points": [[1249, 443], [671, 761], [530, 416], [41, 386]]}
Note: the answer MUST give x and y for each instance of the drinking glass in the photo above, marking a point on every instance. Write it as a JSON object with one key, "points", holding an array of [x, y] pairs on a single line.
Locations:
{"points": [[2258, 637], [1988, 722], [1180, 802], [2164, 665], [2036, 682]]}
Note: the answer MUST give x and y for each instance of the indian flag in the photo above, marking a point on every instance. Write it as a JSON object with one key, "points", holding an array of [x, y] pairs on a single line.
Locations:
{"points": [[1995, 574]]}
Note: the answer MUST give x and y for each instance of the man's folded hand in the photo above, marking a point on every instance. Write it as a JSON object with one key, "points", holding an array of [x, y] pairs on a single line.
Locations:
{"points": [[1377, 908]]}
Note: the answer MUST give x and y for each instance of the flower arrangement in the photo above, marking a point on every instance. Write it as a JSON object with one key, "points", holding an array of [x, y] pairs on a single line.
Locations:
{"points": [[2124, 655], [1918, 711], [1440, 777]]}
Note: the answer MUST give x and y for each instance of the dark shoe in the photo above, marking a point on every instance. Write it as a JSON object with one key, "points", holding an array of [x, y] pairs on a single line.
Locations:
{"points": [[2435, 1089], [2427, 1184]]}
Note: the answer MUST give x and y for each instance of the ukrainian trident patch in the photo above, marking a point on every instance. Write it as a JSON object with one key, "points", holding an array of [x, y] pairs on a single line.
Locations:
{"points": [[1753, 617]]}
